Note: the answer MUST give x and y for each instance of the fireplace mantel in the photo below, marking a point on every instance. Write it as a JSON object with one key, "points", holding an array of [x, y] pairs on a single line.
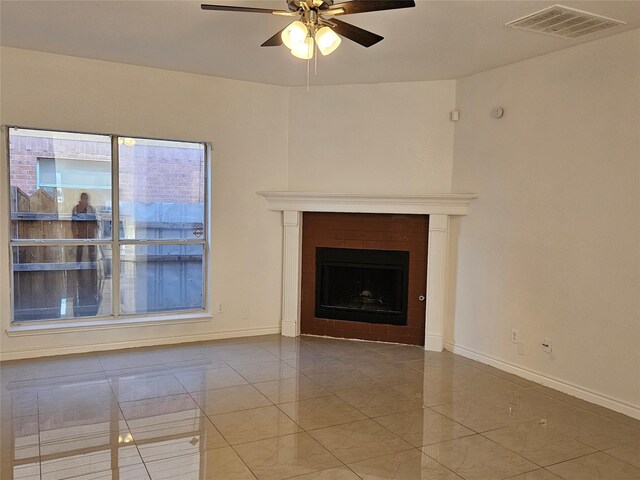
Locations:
{"points": [[438, 206], [433, 204]]}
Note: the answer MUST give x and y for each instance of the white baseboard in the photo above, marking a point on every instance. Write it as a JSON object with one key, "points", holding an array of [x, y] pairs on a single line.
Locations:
{"points": [[149, 342], [548, 381]]}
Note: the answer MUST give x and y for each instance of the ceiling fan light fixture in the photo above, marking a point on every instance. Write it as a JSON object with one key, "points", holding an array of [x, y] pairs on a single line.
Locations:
{"points": [[295, 34], [303, 50], [327, 40]]}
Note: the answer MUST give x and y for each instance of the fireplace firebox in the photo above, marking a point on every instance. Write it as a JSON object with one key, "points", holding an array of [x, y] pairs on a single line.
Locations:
{"points": [[362, 285]]}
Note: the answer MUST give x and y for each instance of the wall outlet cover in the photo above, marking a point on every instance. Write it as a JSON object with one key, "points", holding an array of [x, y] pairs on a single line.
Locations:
{"points": [[515, 335]]}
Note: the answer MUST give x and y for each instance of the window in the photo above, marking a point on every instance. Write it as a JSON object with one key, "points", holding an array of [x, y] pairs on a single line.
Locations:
{"points": [[105, 226]]}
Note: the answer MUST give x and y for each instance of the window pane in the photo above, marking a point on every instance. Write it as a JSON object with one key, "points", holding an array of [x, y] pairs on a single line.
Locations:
{"points": [[162, 189], [57, 282], [60, 185], [157, 278]]}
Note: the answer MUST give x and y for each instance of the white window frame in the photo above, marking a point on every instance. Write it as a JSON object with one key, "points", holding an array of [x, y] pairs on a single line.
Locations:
{"points": [[115, 319]]}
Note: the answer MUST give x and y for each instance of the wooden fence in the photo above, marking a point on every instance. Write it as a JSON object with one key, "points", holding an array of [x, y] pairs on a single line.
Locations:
{"points": [[59, 281]]}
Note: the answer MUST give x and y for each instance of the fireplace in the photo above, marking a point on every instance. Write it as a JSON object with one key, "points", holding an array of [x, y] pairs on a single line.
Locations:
{"points": [[364, 276], [306, 227], [362, 285]]}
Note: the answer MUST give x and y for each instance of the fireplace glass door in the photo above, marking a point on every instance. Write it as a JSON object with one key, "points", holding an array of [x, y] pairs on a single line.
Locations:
{"points": [[362, 285]]}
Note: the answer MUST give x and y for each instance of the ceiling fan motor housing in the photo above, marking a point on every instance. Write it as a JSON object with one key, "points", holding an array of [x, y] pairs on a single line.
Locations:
{"points": [[294, 5]]}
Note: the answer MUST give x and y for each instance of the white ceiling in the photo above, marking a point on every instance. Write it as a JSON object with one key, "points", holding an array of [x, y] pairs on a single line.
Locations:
{"points": [[436, 40]]}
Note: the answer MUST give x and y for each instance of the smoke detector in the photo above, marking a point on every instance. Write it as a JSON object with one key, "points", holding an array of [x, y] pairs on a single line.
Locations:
{"points": [[564, 22]]}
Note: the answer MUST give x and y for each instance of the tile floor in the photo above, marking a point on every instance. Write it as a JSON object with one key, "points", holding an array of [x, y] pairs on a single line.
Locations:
{"points": [[308, 408]]}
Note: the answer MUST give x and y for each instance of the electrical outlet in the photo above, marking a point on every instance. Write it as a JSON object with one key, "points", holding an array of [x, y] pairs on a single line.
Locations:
{"points": [[220, 308], [515, 335], [522, 348], [244, 313], [547, 345]]}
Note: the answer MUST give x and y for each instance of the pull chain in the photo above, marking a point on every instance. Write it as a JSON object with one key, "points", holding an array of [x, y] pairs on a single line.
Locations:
{"points": [[315, 58], [308, 68]]}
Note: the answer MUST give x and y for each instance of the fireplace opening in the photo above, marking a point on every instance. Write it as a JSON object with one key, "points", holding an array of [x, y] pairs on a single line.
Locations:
{"points": [[362, 285]]}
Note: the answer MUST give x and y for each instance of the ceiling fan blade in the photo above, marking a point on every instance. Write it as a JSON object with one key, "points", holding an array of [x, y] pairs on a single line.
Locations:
{"points": [[356, 34], [274, 41], [228, 8], [362, 6]]}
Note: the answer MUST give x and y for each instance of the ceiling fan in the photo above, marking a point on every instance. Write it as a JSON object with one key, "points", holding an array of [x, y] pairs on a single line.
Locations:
{"points": [[316, 26]]}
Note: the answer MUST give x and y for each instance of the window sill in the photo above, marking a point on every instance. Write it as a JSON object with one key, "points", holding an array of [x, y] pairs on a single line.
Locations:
{"points": [[89, 326]]}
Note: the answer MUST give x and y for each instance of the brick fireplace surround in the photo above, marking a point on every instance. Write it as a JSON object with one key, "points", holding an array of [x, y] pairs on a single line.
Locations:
{"points": [[439, 207]]}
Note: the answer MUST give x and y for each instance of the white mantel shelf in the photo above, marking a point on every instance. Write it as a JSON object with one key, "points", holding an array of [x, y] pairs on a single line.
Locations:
{"points": [[439, 207], [433, 204]]}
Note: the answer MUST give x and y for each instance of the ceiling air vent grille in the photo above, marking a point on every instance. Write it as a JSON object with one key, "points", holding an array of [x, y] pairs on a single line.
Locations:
{"points": [[565, 22]]}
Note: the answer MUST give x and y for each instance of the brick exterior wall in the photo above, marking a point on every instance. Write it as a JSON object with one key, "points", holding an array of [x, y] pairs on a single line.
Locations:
{"points": [[366, 231], [148, 173]]}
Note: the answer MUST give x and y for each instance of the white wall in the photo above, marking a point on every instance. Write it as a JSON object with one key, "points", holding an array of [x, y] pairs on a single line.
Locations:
{"points": [[552, 245], [384, 138], [247, 124]]}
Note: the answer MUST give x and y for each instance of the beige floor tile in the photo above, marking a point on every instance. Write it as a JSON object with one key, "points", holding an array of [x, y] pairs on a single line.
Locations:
{"points": [[511, 377], [197, 380], [176, 434], [254, 424], [92, 462], [416, 364], [77, 435], [624, 419], [340, 378], [539, 442], [339, 473], [402, 353], [481, 416], [629, 453], [230, 399], [408, 465], [67, 365], [248, 356], [285, 457], [598, 466], [376, 401], [19, 403], [157, 409], [321, 412], [264, 372], [564, 397], [356, 441], [291, 389], [76, 395], [477, 458], [19, 439], [480, 383], [595, 430], [435, 391], [63, 410], [423, 427], [284, 347], [25, 471], [310, 364], [536, 475], [528, 402], [139, 387], [218, 464], [17, 375]]}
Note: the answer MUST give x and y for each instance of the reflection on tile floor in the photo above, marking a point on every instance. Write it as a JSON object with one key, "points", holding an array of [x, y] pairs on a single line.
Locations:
{"points": [[275, 408]]}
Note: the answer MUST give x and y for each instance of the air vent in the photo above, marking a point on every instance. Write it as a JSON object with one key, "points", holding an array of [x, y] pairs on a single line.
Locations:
{"points": [[565, 22]]}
